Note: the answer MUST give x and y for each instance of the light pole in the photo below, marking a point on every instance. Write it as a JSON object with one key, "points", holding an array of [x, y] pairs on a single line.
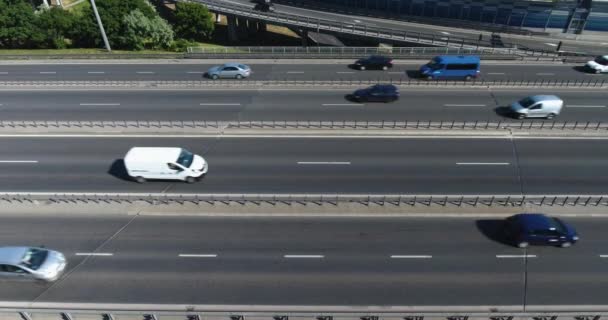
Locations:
{"points": [[103, 32]]}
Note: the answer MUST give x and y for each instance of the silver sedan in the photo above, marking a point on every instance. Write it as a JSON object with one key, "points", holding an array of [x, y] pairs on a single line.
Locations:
{"points": [[229, 70], [32, 263]]}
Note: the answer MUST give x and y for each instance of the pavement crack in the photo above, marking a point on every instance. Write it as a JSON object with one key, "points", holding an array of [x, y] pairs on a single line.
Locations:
{"points": [[67, 274], [517, 163]]}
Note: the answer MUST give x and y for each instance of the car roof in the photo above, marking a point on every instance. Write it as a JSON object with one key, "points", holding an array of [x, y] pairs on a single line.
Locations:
{"points": [[385, 86], [534, 221], [452, 59], [158, 154], [12, 255], [234, 64], [545, 97], [377, 56]]}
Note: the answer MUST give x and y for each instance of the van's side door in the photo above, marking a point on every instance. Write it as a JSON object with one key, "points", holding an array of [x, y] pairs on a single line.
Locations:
{"points": [[536, 110]]}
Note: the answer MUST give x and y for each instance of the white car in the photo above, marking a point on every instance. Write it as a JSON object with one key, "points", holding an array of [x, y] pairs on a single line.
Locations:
{"points": [[160, 163], [599, 65]]}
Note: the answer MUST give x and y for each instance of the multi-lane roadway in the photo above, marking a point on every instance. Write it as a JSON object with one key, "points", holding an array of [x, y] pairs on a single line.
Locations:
{"points": [[221, 104], [300, 261], [337, 70], [316, 165]]}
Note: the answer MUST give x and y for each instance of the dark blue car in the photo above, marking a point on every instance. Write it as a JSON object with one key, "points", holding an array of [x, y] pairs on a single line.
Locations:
{"points": [[537, 229], [377, 93]]}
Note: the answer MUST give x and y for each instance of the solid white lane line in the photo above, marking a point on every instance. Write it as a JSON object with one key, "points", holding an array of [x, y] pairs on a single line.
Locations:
{"points": [[3, 72], [496, 73], [100, 104], [343, 104], [196, 72], [189, 255], [48, 72], [99, 254], [583, 106], [326, 162], [304, 256], [482, 163], [219, 104], [545, 74], [18, 161], [295, 72], [508, 256], [551, 44], [464, 105], [96, 72], [411, 256], [144, 72], [603, 255]]}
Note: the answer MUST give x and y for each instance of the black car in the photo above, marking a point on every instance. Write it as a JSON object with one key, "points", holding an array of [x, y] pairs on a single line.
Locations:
{"points": [[537, 229], [264, 7], [374, 62], [377, 93]]}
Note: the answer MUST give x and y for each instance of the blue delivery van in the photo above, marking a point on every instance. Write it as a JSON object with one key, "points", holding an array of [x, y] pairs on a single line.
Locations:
{"points": [[451, 67]]}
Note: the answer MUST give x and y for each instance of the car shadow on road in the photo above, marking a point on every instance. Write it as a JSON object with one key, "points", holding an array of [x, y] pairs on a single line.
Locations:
{"points": [[493, 229], [413, 74], [580, 69], [504, 112], [118, 170]]}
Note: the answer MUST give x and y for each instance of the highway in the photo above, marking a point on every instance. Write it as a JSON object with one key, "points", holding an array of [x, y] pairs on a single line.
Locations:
{"points": [[306, 261], [287, 104], [316, 165], [304, 71]]}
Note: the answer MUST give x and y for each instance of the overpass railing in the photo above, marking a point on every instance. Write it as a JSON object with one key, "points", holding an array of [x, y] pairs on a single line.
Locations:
{"points": [[358, 29]]}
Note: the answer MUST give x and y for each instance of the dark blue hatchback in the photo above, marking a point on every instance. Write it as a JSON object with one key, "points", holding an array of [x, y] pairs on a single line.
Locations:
{"points": [[537, 229], [377, 93]]}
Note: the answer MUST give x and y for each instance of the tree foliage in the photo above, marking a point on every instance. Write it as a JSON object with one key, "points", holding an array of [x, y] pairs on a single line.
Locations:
{"points": [[192, 21], [55, 26], [142, 32], [17, 28]]}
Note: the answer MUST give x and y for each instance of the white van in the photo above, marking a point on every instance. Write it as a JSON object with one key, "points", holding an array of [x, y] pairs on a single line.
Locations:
{"points": [[540, 106], [598, 65], [144, 163]]}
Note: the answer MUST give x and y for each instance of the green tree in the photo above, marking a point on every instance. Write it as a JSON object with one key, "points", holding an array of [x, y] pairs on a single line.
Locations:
{"points": [[192, 21], [17, 25], [55, 25], [142, 32]]}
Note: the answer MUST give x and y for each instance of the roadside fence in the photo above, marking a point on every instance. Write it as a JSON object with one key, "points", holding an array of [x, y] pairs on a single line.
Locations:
{"points": [[308, 199], [294, 82], [389, 125]]}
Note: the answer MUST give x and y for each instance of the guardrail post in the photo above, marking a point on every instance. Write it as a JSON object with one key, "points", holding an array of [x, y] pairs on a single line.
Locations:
{"points": [[66, 316], [107, 316], [25, 315], [150, 316]]}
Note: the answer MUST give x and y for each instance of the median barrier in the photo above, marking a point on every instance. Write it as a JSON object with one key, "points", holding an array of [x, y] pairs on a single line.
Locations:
{"points": [[227, 312], [225, 126], [308, 83], [310, 199]]}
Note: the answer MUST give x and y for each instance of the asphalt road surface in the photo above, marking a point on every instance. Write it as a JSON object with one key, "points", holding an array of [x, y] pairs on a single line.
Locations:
{"points": [[436, 104], [316, 261], [316, 165], [71, 72]]}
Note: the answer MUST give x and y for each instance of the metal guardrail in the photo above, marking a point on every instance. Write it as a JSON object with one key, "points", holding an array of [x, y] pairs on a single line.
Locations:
{"points": [[281, 313], [293, 313], [222, 126], [358, 29], [308, 199], [352, 51], [287, 82]]}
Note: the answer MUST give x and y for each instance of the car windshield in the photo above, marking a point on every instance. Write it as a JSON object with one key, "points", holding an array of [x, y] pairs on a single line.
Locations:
{"points": [[557, 225], [34, 258], [185, 158], [243, 67], [434, 64], [527, 102], [601, 60]]}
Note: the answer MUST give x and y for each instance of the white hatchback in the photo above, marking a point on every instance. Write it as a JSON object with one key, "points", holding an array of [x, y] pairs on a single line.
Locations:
{"points": [[599, 65]]}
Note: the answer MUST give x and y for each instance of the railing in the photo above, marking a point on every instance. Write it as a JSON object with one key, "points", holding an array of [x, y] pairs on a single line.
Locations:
{"points": [[359, 29], [219, 126], [287, 82], [309, 199], [309, 313], [352, 51]]}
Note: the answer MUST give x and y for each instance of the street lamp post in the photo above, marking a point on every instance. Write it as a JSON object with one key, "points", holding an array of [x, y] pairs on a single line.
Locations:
{"points": [[103, 32]]}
